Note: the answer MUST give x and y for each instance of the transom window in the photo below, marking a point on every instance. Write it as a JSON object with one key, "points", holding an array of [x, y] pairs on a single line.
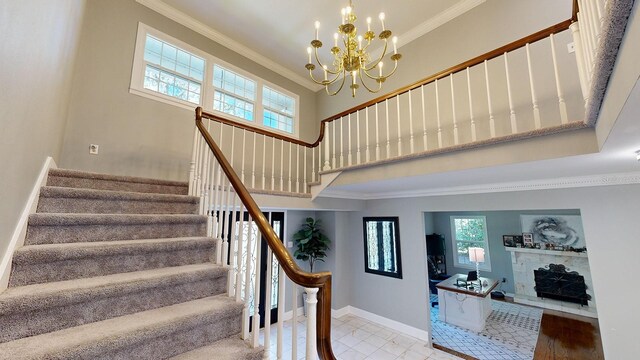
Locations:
{"points": [[168, 70], [466, 232]]}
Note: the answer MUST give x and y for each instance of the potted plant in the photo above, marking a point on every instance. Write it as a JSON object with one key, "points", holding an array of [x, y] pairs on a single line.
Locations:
{"points": [[311, 243]]}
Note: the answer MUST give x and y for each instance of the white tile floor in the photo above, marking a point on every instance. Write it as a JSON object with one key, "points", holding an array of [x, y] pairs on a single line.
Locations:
{"points": [[357, 338]]}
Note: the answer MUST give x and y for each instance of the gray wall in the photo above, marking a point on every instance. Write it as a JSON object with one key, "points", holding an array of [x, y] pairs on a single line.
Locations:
{"points": [[139, 136], [608, 216], [38, 44], [482, 29], [498, 223]]}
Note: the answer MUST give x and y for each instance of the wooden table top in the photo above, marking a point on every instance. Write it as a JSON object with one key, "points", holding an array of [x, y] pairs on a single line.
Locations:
{"points": [[450, 285]]}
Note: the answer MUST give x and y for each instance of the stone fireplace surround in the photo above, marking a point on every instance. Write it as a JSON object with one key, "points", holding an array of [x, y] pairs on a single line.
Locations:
{"points": [[524, 261]]}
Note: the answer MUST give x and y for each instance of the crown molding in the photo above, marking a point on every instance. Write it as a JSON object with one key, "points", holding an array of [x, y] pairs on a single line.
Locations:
{"points": [[181, 18], [543, 184]]}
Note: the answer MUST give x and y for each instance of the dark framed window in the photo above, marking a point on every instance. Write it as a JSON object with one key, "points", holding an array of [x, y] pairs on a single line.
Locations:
{"points": [[382, 246]]}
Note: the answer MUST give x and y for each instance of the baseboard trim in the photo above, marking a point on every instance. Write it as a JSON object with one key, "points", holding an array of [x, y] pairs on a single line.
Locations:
{"points": [[392, 324], [17, 239]]}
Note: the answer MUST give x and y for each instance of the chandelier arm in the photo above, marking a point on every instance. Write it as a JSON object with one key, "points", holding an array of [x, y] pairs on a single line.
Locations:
{"points": [[395, 67], [384, 52], [318, 59], [326, 87], [314, 79], [368, 88]]}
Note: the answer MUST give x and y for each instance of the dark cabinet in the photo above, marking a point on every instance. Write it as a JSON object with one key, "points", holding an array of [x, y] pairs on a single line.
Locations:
{"points": [[436, 256]]}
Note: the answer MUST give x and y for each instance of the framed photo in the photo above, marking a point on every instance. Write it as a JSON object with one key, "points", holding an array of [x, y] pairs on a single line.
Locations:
{"points": [[518, 240], [382, 246], [508, 241], [527, 239]]}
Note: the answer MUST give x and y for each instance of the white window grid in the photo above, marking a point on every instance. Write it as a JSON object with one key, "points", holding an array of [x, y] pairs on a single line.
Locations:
{"points": [[484, 243]]}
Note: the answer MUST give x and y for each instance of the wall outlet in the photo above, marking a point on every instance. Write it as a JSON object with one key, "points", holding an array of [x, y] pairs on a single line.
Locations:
{"points": [[290, 244], [93, 149], [571, 47], [504, 280]]}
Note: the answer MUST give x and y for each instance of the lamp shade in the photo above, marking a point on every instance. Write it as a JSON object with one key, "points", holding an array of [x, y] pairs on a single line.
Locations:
{"points": [[476, 254]]}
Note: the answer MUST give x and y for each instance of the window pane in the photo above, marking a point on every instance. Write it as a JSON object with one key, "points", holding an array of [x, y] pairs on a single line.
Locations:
{"points": [[233, 105], [470, 229], [278, 121], [172, 85], [171, 58], [233, 83], [277, 101]]}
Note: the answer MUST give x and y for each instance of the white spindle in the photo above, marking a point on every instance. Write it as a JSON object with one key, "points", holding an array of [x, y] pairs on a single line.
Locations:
{"points": [[424, 120], [225, 229], [456, 139], [298, 168], [247, 278], [595, 19], [492, 123], [192, 167], [312, 301], [399, 129], [349, 156], [438, 116], [212, 199], [267, 301], [232, 246], [294, 321], [577, 41], [564, 118], [253, 162], [325, 140], [411, 141], [264, 162], [233, 147], [241, 252], [244, 152], [512, 112], [333, 141], [473, 122], [377, 134], [255, 341], [206, 183], [386, 103], [198, 181], [281, 290], [313, 165], [341, 143], [290, 167], [281, 165], [534, 98], [358, 159], [367, 152], [273, 164]]}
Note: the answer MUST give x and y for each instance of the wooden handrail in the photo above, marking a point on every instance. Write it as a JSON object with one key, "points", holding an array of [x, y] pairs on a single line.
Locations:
{"points": [[320, 280], [542, 34]]}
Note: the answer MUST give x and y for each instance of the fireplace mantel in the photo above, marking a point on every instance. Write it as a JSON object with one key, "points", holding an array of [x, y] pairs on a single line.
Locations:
{"points": [[547, 252]]}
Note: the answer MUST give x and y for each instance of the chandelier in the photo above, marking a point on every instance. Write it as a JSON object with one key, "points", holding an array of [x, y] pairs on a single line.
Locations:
{"points": [[352, 58]]}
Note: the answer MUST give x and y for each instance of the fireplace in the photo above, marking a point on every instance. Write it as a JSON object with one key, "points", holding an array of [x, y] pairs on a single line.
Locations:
{"points": [[556, 282]]}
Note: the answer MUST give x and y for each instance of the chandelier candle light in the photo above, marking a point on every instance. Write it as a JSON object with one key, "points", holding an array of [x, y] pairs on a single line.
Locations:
{"points": [[476, 255], [353, 59]]}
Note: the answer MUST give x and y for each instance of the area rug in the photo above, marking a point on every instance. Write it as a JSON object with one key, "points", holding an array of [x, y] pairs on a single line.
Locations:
{"points": [[511, 333]]}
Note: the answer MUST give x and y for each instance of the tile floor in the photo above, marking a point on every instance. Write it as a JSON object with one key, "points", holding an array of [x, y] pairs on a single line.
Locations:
{"points": [[356, 338]]}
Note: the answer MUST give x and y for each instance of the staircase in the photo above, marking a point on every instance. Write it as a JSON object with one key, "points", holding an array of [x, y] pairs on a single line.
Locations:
{"points": [[118, 268]]}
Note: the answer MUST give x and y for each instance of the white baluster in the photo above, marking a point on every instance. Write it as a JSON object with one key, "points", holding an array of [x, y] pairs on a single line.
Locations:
{"points": [[312, 301], [456, 139], [273, 164], [196, 191], [232, 244], [206, 183], [264, 162], [313, 165], [492, 123], [212, 199], [564, 118], [247, 279], [438, 116], [253, 162], [333, 141], [225, 229], [473, 122], [349, 157], [255, 341], [281, 165], [411, 141], [294, 322], [281, 290], [577, 41], [325, 140], [341, 144], [424, 120], [267, 301], [244, 152], [233, 147], [377, 134], [298, 168], [192, 167], [399, 129], [358, 159], [290, 166], [512, 112], [534, 98], [367, 153], [386, 102], [240, 253]]}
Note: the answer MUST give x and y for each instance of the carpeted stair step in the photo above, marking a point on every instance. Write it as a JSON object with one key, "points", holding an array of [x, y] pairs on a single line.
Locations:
{"points": [[37, 309], [35, 264], [67, 228], [153, 334], [88, 180], [70, 200], [231, 348]]}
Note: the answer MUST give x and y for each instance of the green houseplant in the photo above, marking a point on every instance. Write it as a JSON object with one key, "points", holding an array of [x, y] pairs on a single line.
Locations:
{"points": [[311, 243]]}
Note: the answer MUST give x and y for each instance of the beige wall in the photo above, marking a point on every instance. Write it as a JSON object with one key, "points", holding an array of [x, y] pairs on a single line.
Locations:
{"points": [[38, 42], [482, 29], [139, 136]]}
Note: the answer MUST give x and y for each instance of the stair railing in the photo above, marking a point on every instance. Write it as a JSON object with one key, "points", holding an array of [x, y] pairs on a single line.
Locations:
{"points": [[225, 199]]}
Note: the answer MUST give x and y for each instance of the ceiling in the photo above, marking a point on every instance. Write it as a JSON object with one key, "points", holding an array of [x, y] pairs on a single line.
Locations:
{"points": [[276, 33]]}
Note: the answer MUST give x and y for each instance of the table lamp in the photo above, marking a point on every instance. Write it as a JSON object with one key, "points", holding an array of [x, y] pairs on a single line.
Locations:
{"points": [[476, 255]]}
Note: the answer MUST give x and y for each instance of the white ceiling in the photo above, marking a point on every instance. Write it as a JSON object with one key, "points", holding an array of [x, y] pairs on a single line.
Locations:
{"points": [[276, 33]]}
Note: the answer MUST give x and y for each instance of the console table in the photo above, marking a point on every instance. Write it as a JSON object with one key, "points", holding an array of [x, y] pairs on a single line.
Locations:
{"points": [[466, 307]]}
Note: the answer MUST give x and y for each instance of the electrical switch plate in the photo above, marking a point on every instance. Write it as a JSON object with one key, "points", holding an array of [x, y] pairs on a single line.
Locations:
{"points": [[571, 47], [93, 149], [290, 244]]}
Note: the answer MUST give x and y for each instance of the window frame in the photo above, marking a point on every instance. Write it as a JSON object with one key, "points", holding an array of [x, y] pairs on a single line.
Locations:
{"points": [[207, 91], [396, 233], [486, 265]]}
